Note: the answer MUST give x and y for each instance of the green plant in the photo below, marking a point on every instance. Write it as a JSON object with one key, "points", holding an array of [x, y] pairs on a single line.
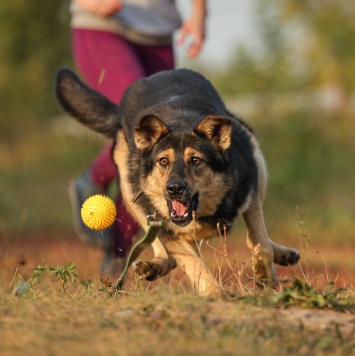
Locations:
{"points": [[64, 273], [299, 293], [87, 285]]}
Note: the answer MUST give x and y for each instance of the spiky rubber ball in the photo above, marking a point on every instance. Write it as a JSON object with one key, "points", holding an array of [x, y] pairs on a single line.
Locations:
{"points": [[98, 212]]}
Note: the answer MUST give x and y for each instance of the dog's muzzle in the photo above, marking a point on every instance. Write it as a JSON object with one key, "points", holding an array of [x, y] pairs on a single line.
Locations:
{"points": [[180, 204]]}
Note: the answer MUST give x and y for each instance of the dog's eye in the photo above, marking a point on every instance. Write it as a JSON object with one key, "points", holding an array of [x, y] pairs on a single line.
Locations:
{"points": [[196, 161], [164, 162]]}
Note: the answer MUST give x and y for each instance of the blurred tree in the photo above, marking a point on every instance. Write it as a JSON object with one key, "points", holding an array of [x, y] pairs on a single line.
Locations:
{"points": [[305, 45], [328, 43], [35, 41], [267, 70]]}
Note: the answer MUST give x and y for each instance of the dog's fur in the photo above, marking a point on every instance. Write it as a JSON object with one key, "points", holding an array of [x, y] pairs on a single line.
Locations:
{"points": [[182, 156]]}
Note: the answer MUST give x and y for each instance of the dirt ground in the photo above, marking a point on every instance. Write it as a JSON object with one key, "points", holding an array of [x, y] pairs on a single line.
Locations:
{"points": [[21, 255]]}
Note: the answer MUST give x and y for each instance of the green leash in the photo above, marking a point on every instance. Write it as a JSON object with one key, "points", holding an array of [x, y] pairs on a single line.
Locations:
{"points": [[138, 248]]}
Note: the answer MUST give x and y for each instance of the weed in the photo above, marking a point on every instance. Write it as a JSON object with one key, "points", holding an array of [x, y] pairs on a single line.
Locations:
{"points": [[299, 293], [106, 284], [87, 285], [64, 273], [227, 269]]}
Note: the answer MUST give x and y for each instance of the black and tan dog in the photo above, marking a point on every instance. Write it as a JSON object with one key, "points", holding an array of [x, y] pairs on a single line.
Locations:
{"points": [[182, 156]]}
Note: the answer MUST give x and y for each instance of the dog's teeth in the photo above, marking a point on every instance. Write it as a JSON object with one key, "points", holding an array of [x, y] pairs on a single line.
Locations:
{"points": [[173, 214]]}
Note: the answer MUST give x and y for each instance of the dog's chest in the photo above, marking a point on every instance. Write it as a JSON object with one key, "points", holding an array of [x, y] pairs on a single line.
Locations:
{"points": [[193, 232]]}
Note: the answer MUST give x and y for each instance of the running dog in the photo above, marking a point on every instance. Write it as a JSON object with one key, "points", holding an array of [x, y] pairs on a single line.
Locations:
{"points": [[183, 157]]}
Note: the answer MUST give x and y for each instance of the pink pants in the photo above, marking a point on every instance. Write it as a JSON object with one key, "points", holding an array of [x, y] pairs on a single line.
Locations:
{"points": [[109, 63]]}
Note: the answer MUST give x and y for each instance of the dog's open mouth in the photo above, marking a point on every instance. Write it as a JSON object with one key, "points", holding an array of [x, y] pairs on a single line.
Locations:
{"points": [[180, 212]]}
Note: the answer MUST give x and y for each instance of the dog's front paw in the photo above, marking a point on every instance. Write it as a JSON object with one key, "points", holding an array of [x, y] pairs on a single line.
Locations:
{"points": [[146, 270], [288, 257]]}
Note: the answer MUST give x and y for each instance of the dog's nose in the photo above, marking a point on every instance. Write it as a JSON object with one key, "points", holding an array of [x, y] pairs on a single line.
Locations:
{"points": [[176, 189]]}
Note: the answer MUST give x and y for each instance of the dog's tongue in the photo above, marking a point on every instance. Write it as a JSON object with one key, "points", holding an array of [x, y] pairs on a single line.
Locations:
{"points": [[179, 207]]}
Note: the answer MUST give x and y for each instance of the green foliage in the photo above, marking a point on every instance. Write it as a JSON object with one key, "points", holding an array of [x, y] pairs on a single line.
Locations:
{"points": [[34, 184], [299, 293], [310, 166], [35, 41], [63, 273], [267, 71], [303, 45], [87, 285], [329, 31]]}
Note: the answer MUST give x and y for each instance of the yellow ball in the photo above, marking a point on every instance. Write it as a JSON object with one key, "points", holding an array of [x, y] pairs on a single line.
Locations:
{"points": [[98, 212]]}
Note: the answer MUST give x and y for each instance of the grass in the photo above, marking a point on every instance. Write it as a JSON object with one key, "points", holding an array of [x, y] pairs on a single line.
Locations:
{"points": [[157, 323], [64, 313]]}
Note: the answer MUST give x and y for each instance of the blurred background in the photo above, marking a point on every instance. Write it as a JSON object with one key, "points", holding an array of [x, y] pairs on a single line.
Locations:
{"points": [[286, 67]]}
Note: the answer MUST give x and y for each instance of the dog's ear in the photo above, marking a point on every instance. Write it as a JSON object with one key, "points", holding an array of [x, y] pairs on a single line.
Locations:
{"points": [[87, 105], [217, 129], [148, 132]]}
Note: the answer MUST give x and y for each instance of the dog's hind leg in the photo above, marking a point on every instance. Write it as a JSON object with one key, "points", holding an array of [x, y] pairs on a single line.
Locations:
{"points": [[266, 251], [188, 258], [282, 255], [161, 264], [259, 241]]}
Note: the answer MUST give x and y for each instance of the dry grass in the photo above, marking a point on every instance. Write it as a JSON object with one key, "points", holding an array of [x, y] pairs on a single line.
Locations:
{"points": [[163, 317], [160, 322]]}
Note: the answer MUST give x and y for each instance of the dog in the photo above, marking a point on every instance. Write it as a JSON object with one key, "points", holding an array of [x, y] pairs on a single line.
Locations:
{"points": [[183, 157]]}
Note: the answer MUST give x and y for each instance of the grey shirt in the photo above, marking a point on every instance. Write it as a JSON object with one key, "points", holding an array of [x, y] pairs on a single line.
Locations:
{"points": [[140, 21]]}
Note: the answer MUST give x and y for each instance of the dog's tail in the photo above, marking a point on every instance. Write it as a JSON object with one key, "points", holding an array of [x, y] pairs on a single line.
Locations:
{"points": [[87, 105]]}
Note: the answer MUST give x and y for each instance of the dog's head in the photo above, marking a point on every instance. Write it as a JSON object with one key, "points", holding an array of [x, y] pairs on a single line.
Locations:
{"points": [[185, 170], [181, 163]]}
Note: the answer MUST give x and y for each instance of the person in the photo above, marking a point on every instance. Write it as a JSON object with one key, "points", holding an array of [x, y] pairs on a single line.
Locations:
{"points": [[115, 43]]}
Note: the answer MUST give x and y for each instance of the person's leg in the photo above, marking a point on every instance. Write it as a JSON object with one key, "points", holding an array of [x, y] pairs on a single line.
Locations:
{"points": [[109, 64], [107, 61], [102, 170], [156, 58]]}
